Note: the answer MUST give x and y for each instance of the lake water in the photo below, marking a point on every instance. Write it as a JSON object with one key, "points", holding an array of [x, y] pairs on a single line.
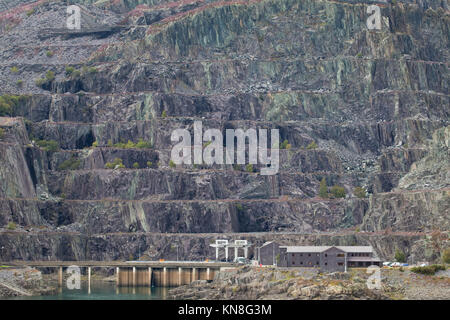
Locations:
{"points": [[102, 290]]}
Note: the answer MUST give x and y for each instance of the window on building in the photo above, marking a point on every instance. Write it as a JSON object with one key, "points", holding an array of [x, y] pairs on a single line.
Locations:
{"points": [[326, 255], [317, 262], [340, 264], [301, 262], [293, 255], [293, 262], [309, 254], [326, 263], [340, 255]]}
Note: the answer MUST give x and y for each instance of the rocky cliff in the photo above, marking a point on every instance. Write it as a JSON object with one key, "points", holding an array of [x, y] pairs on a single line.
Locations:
{"points": [[87, 116]]}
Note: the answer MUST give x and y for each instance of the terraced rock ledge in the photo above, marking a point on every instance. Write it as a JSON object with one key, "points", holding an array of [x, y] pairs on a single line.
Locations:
{"points": [[86, 119]]}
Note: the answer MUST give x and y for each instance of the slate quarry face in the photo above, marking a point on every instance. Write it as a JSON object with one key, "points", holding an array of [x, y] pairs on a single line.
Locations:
{"points": [[358, 108]]}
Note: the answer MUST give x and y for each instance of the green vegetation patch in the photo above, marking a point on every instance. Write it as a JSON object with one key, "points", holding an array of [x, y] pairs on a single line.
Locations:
{"points": [[9, 104], [428, 270], [49, 77], [360, 192], [69, 70], [141, 144], [311, 146], [445, 254], [400, 256], [11, 225], [338, 191], [71, 164], [285, 145], [117, 163], [48, 145], [323, 189]]}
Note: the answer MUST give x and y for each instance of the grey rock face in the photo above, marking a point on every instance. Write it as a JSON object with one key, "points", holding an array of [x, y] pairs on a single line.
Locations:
{"points": [[375, 103]]}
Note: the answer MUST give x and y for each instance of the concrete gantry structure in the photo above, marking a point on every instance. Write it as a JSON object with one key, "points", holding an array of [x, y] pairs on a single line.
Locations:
{"points": [[221, 243], [238, 244]]}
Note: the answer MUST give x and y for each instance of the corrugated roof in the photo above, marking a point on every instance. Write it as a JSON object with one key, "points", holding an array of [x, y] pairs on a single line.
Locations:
{"points": [[313, 249], [363, 259], [306, 248], [356, 248]]}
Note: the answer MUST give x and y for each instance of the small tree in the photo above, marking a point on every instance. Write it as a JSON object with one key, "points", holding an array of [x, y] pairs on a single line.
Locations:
{"points": [[284, 144], [323, 189], [141, 144], [50, 75], [69, 70], [400, 256], [359, 192], [338, 191], [48, 145], [11, 226], [117, 163], [2, 132], [136, 165], [446, 255], [164, 114], [149, 164], [312, 145], [249, 167], [172, 164]]}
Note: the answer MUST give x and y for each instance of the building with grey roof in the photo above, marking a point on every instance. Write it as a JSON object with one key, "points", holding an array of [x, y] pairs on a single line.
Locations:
{"points": [[326, 258]]}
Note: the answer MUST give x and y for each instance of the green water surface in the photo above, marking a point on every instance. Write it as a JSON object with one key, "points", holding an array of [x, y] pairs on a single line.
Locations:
{"points": [[101, 290]]}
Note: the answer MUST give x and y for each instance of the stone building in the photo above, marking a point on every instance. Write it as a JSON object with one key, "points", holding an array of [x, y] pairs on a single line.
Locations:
{"points": [[326, 258]]}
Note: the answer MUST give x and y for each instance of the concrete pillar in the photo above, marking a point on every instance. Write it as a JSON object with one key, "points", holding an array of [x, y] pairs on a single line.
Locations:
{"points": [[245, 252], [60, 277], [226, 253], [208, 271], [217, 253], [117, 276], [164, 277], [149, 276], [235, 253], [180, 276], [89, 280], [193, 275], [134, 276]]}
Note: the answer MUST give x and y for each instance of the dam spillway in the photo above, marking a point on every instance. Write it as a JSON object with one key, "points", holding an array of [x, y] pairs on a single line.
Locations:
{"points": [[140, 273]]}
